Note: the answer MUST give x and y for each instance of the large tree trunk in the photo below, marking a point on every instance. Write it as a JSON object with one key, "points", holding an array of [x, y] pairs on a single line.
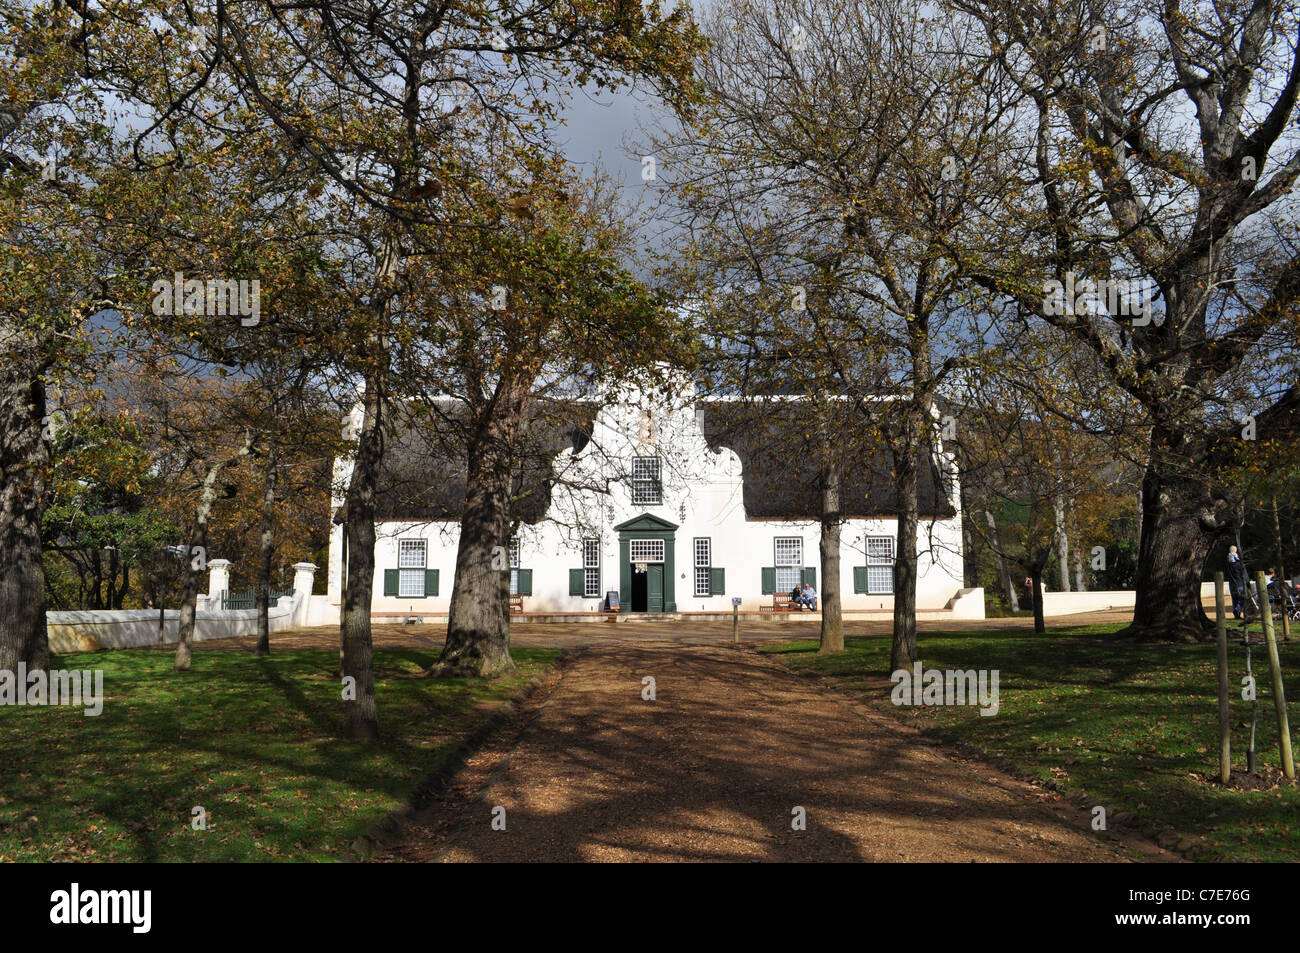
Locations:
{"points": [[1176, 538], [903, 652], [24, 463], [916, 433], [478, 630], [832, 616], [267, 548], [360, 713], [356, 648], [478, 626]]}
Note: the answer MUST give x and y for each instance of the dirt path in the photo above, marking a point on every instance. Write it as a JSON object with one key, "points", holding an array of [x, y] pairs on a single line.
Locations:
{"points": [[714, 767]]}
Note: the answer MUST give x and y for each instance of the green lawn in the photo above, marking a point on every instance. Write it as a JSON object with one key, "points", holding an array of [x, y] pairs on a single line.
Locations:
{"points": [[1109, 723], [253, 741]]}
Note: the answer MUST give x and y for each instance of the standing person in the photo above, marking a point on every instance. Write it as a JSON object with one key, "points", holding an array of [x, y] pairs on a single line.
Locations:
{"points": [[1236, 581], [1029, 593]]}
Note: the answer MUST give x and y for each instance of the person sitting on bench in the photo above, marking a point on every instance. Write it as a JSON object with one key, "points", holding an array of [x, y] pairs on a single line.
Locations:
{"points": [[796, 595], [808, 597]]}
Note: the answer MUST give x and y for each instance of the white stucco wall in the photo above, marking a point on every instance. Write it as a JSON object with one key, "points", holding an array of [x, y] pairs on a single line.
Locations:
{"points": [[702, 495], [93, 629]]}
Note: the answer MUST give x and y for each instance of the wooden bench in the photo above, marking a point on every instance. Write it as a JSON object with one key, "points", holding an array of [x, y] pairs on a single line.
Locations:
{"points": [[516, 605], [781, 602]]}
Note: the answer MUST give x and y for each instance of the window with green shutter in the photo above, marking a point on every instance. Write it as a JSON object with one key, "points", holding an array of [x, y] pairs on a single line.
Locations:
{"points": [[516, 573], [880, 565], [397, 582], [859, 578], [523, 582], [412, 576], [788, 552], [411, 580], [769, 580], [810, 576], [577, 578], [591, 568]]}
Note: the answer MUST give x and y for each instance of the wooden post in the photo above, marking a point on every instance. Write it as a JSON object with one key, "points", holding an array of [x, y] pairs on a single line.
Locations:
{"points": [[1283, 586], [1279, 696], [1221, 629], [735, 622], [1250, 672]]}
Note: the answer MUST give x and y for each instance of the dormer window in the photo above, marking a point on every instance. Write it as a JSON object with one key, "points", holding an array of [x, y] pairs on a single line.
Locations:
{"points": [[647, 482]]}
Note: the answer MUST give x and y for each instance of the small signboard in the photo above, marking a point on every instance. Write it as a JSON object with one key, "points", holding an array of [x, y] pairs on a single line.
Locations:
{"points": [[735, 601]]}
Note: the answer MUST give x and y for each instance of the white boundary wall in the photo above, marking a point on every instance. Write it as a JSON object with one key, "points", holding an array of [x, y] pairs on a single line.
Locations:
{"points": [[89, 630], [1068, 603]]}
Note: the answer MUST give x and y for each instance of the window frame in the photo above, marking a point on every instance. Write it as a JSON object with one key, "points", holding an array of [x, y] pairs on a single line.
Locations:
{"points": [[647, 490], [778, 566], [405, 568], [878, 564], [658, 548], [705, 567], [591, 569]]}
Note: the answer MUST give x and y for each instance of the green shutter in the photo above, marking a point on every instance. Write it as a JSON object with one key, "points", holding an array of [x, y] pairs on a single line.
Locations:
{"points": [[525, 582], [717, 581], [431, 582], [576, 582], [810, 575], [859, 578], [769, 580], [391, 578]]}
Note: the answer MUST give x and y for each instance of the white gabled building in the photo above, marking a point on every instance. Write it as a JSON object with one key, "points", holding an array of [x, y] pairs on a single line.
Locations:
{"points": [[671, 507]]}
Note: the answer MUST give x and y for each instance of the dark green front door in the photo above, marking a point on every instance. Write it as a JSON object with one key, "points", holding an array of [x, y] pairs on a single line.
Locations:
{"points": [[655, 587]]}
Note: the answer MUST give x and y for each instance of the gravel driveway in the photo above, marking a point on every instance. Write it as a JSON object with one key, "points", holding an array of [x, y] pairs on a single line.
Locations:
{"points": [[731, 753]]}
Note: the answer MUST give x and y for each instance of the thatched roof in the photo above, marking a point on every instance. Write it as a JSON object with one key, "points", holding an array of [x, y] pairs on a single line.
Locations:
{"points": [[783, 479], [424, 471]]}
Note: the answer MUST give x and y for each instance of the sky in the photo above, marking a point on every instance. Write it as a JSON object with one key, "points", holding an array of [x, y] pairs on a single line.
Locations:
{"points": [[607, 127], [614, 130]]}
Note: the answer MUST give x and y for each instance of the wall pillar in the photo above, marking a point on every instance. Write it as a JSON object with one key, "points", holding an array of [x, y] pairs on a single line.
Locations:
{"points": [[218, 580], [304, 579]]}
